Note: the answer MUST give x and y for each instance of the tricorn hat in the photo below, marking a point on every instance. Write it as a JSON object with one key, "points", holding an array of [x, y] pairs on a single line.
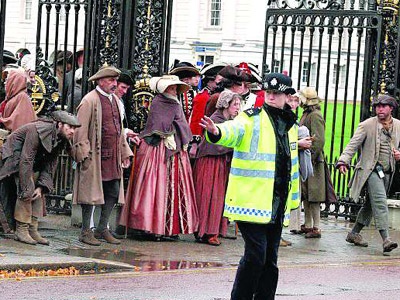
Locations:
{"points": [[252, 70], [278, 82], [309, 97], [105, 71], [66, 118], [125, 77], [385, 99], [234, 74], [183, 69], [160, 84], [8, 57]]}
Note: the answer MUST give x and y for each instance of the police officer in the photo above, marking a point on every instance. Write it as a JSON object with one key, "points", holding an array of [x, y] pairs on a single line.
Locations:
{"points": [[263, 183]]}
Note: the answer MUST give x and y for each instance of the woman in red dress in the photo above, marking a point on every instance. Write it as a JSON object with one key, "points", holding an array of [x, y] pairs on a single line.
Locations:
{"points": [[161, 196], [211, 172]]}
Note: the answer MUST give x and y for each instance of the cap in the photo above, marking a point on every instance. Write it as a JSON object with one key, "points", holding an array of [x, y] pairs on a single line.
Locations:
{"points": [[66, 118], [385, 99], [309, 97], [278, 82]]}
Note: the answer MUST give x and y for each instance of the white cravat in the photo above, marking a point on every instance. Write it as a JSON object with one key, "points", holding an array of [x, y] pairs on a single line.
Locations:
{"points": [[109, 96]]}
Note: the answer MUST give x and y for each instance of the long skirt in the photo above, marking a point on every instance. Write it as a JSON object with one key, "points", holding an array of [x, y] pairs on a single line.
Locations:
{"points": [[211, 178], [162, 197]]}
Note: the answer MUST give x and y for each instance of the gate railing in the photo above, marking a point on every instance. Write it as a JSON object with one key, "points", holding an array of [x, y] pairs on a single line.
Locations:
{"points": [[336, 47]]}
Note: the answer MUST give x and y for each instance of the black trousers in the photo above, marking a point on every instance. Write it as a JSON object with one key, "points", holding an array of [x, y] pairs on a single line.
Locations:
{"points": [[257, 274]]}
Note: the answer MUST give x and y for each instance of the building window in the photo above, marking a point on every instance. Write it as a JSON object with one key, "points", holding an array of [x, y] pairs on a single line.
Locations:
{"points": [[206, 59], [277, 66], [28, 9], [341, 71], [215, 13], [304, 77]]}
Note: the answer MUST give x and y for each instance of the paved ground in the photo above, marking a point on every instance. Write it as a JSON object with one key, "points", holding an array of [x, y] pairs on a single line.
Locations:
{"points": [[326, 268]]}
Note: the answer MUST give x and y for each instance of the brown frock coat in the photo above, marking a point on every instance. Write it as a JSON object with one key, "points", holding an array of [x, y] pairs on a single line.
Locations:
{"points": [[86, 151]]}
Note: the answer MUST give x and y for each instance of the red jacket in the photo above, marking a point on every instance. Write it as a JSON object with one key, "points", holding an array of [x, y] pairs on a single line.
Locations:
{"points": [[199, 107]]}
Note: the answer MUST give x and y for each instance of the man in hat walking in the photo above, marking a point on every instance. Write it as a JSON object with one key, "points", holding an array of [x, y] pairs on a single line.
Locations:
{"points": [[263, 183], [29, 158], [378, 140], [101, 151]]}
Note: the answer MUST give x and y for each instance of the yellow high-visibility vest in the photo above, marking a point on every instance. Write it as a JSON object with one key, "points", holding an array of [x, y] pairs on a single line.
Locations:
{"points": [[250, 189]]}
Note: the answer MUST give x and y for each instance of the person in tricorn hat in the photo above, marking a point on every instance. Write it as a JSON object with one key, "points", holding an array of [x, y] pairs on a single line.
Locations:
{"points": [[189, 75], [233, 79], [249, 98], [162, 197], [61, 58], [124, 83], [378, 140], [101, 151], [263, 183], [28, 160], [210, 78]]}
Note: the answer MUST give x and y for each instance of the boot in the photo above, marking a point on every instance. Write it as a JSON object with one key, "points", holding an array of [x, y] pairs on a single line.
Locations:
{"points": [[107, 236], [284, 243], [22, 234], [34, 233], [356, 239], [87, 237], [389, 245], [315, 233]]}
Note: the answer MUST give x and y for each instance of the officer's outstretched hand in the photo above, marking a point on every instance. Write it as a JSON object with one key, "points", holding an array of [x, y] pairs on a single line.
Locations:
{"points": [[209, 125]]}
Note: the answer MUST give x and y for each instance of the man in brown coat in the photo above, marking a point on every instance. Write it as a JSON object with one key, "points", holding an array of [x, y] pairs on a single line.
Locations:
{"points": [[101, 151], [378, 139], [29, 158]]}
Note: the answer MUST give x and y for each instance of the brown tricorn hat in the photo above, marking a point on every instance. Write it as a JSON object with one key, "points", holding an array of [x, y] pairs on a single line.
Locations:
{"points": [[105, 71]]}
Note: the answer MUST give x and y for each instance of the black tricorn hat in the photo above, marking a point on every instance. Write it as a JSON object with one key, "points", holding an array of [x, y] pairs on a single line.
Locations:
{"points": [[278, 82], [125, 77], [8, 57], [183, 69], [234, 74]]}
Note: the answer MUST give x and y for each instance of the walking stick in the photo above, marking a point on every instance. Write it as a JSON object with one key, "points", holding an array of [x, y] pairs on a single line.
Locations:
{"points": [[129, 189]]}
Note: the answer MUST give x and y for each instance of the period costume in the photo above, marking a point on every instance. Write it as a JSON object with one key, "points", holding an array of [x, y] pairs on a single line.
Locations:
{"points": [[29, 158], [209, 73], [375, 140], [314, 188], [162, 199], [186, 70], [99, 148], [215, 161], [18, 109]]}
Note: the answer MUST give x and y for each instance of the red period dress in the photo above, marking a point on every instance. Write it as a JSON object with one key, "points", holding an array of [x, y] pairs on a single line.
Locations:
{"points": [[162, 196], [215, 161]]}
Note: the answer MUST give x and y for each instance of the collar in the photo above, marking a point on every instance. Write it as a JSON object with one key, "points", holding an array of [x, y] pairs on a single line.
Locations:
{"points": [[109, 96], [286, 114]]}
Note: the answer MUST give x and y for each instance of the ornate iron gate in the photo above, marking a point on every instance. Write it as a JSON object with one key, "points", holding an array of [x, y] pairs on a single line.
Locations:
{"points": [[133, 35], [348, 51]]}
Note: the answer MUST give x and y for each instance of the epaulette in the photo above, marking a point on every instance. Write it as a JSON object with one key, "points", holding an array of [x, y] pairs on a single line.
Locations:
{"points": [[253, 111]]}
